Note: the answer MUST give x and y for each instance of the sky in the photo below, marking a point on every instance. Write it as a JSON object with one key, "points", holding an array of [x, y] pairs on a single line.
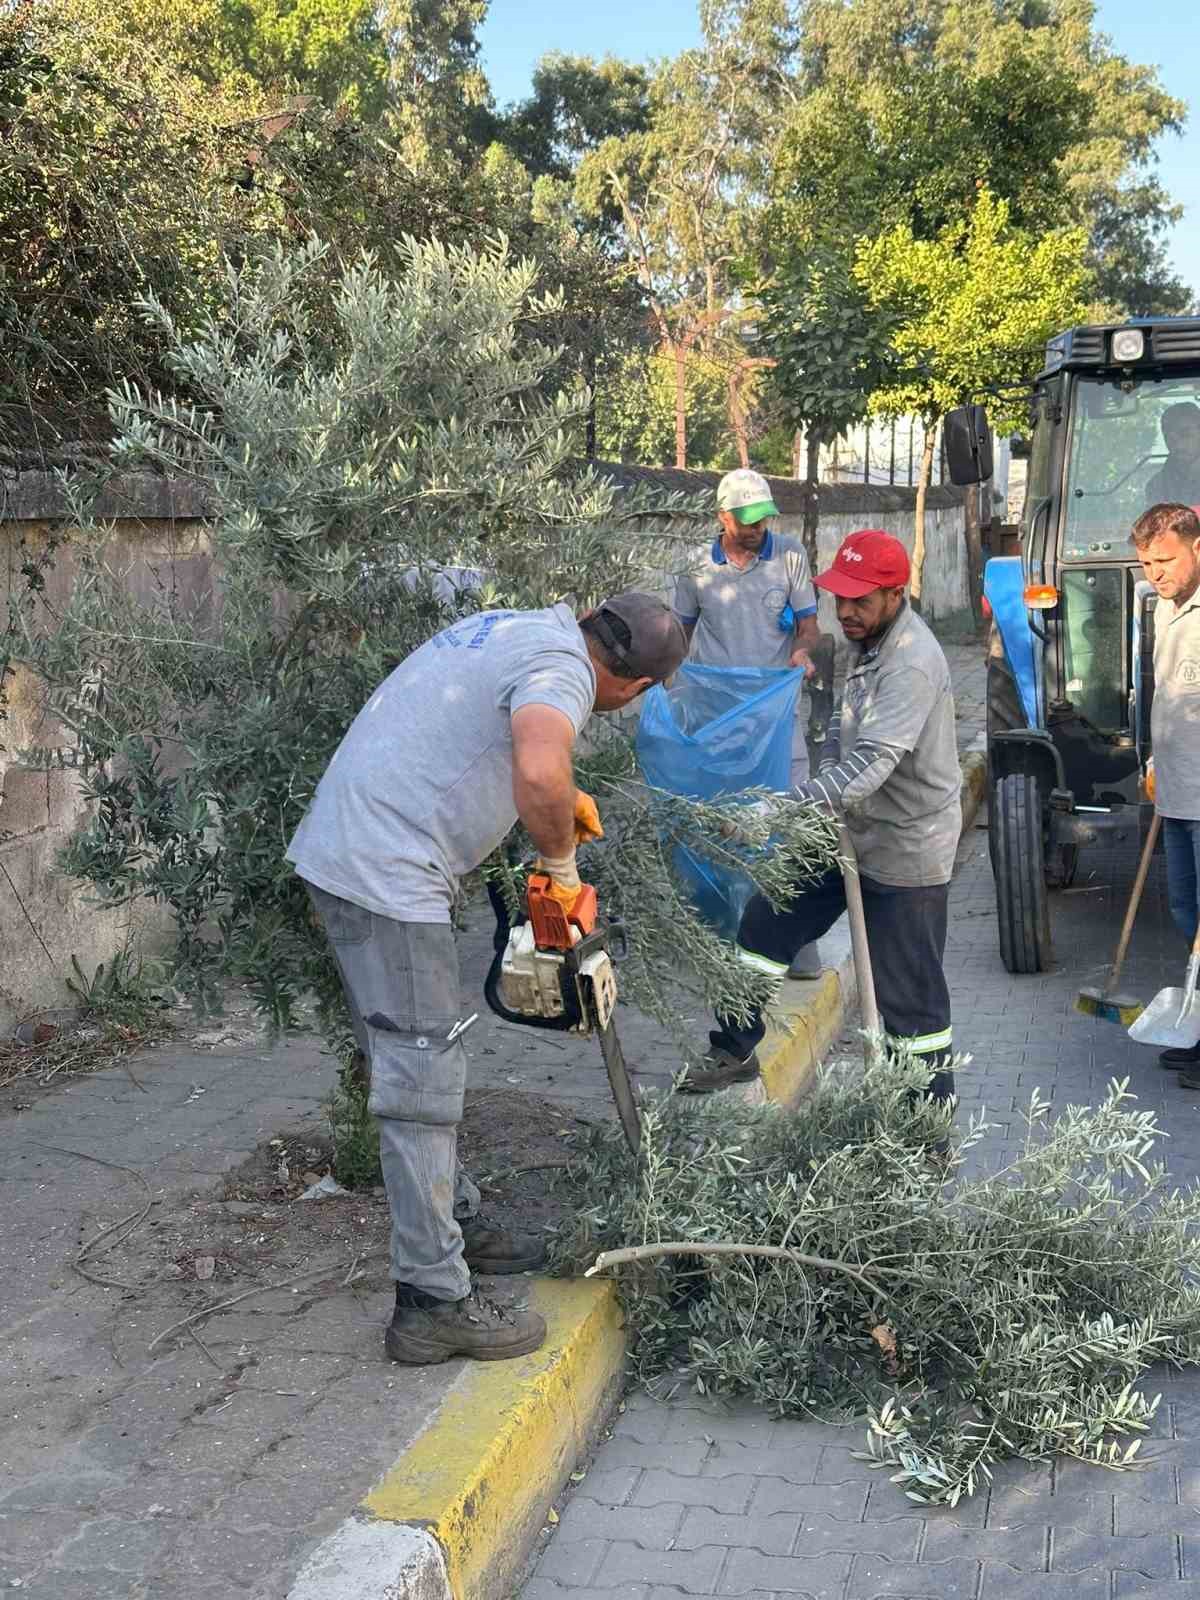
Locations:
{"points": [[1162, 33]]}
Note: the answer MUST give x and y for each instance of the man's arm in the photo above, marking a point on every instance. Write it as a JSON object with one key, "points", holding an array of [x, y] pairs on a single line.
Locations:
{"points": [[685, 603], [802, 597], [543, 778], [805, 637], [891, 728]]}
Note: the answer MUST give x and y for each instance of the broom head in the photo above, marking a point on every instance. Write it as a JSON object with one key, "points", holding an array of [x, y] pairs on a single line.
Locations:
{"points": [[1119, 1008]]}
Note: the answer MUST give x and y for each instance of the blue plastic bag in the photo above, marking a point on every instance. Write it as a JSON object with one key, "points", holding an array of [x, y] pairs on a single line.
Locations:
{"points": [[717, 731]]}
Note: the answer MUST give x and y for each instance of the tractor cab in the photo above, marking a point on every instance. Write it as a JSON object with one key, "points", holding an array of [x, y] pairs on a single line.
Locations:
{"points": [[1116, 429]]}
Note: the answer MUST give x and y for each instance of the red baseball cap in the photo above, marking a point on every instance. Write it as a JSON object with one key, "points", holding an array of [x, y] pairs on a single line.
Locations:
{"points": [[867, 560]]}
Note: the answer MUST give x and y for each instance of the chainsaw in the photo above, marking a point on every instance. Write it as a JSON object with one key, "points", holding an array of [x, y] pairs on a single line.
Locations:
{"points": [[556, 971]]}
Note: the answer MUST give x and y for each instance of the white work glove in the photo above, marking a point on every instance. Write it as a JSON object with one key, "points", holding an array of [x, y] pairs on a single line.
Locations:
{"points": [[734, 828]]}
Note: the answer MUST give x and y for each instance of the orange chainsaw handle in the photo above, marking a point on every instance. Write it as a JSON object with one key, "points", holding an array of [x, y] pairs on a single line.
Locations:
{"points": [[552, 924]]}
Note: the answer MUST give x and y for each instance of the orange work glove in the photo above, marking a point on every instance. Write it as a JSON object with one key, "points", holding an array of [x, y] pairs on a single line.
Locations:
{"points": [[587, 818], [564, 878], [1148, 784]]}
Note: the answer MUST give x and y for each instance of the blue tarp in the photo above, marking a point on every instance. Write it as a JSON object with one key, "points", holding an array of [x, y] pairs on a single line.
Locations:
{"points": [[717, 731]]}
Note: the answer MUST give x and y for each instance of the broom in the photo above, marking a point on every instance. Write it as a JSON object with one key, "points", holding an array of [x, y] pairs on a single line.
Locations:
{"points": [[1103, 1003]]}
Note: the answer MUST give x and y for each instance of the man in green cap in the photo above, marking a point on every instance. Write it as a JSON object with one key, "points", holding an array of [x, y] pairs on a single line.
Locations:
{"points": [[752, 604]]}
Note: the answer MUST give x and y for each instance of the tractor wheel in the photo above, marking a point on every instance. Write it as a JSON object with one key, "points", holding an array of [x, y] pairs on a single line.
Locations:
{"points": [[1019, 867]]}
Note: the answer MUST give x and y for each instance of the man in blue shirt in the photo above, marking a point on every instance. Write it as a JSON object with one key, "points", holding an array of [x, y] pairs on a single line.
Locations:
{"points": [[752, 604]]}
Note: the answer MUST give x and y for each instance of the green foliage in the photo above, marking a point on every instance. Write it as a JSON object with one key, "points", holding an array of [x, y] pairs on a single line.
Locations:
{"points": [[356, 1162], [687, 185], [126, 994], [94, 157], [830, 344], [333, 49], [910, 108], [933, 119], [970, 310], [910, 115], [991, 1317], [635, 410], [439, 101], [125, 176], [576, 104], [358, 452]]}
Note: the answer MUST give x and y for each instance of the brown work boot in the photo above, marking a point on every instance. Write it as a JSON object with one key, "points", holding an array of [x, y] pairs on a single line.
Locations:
{"points": [[718, 1070], [487, 1248], [424, 1330]]}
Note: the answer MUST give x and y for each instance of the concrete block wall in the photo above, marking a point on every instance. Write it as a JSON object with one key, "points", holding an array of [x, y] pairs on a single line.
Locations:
{"points": [[46, 919], [159, 542], [845, 507]]}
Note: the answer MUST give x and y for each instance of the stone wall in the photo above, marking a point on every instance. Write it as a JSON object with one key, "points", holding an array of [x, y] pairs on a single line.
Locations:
{"points": [[845, 507], [45, 918]]}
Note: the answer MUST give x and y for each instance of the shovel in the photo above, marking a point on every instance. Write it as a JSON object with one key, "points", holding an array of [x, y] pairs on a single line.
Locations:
{"points": [[863, 974], [1104, 1003], [1172, 1019]]}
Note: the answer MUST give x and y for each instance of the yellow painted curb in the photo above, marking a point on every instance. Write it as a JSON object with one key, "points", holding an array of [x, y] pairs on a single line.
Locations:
{"points": [[484, 1472], [795, 1046]]}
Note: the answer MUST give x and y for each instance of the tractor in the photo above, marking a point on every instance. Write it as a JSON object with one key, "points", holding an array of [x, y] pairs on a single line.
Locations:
{"points": [[1070, 659]]}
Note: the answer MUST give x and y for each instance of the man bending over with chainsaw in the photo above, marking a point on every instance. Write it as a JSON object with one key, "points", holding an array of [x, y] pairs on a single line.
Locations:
{"points": [[890, 767], [471, 732]]}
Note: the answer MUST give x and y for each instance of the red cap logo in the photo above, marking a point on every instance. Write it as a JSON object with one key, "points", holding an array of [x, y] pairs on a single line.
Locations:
{"points": [[867, 560]]}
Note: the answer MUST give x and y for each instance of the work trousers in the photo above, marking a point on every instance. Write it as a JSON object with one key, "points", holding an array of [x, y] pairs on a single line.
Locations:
{"points": [[401, 983], [1181, 840], [906, 933]]}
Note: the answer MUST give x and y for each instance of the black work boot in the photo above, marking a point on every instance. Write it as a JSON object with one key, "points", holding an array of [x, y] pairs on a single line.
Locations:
{"points": [[488, 1248], [425, 1330], [719, 1069], [1176, 1060]]}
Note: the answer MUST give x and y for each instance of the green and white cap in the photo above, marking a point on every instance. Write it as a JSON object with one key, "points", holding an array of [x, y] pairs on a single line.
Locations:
{"points": [[747, 494]]}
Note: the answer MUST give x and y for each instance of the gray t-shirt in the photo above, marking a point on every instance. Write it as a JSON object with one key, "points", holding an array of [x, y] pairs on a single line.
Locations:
{"points": [[1175, 719], [898, 694], [738, 610], [420, 789]]}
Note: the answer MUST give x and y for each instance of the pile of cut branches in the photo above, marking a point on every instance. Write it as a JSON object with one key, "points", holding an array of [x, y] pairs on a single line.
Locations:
{"points": [[825, 1263]]}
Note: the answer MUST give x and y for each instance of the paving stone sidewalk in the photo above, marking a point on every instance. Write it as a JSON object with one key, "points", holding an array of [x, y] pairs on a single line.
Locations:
{"points": [[687, 1498], [208, 1472]]}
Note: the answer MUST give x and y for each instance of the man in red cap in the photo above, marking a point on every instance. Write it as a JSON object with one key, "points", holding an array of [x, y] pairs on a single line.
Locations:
{"points": [[890, 767]]}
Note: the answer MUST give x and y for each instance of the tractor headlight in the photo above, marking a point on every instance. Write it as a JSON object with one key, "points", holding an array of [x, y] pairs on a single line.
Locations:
{"points": [[1129, 344]]}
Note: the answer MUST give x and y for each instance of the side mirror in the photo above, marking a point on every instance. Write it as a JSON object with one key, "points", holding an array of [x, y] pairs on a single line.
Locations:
{"points": [[968, 442]]}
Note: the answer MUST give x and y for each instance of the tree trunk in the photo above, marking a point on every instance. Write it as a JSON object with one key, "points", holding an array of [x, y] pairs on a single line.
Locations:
{"points": [[737, 416], [680, 354], [589, 426], [812, 495], [974, 541], [918, 553]]}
